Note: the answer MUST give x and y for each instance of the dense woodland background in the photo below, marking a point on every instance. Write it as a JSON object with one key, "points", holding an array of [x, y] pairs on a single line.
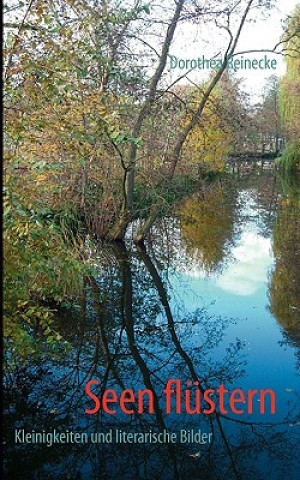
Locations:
{"points": [[95, 137]]}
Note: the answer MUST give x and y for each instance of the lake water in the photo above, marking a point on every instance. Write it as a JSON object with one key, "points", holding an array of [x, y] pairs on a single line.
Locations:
{"points": [[213, 298]]}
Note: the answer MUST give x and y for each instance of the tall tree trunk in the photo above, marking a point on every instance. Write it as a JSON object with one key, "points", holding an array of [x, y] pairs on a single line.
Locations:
{"points": [[118, 230]]}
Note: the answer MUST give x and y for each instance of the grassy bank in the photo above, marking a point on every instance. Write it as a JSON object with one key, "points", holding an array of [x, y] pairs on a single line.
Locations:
{"points": [[290, 158]]}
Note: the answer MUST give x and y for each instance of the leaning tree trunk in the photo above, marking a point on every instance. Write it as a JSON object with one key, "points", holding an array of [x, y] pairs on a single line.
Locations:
{"points": [[175, 155]]}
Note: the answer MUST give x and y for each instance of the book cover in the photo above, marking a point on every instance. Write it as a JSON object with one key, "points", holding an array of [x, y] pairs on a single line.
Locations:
{"points": [[151, 240]]}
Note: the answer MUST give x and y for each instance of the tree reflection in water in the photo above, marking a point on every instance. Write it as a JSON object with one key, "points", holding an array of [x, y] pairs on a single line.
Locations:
{"points": [[285, 280], [132, 340]]}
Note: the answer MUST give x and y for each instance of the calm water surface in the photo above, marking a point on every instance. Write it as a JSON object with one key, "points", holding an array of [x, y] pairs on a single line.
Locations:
{"points": [[213, 297]]}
